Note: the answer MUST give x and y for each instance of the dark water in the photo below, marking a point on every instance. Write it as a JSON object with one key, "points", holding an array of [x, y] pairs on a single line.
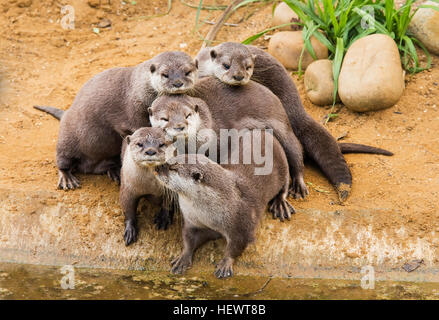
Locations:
{"points": [[43, 282]]}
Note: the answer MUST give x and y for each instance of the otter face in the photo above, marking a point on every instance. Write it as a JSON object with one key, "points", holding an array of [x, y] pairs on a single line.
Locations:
{"points": [[178, 116], [233, 63], [173, 72], [148, 147], [186, 174]]}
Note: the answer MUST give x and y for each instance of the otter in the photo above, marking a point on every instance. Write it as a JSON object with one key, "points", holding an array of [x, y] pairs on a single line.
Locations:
{"points": [[142, 151], [235, 64], [215, 105], [110, 106], [224, 200]]}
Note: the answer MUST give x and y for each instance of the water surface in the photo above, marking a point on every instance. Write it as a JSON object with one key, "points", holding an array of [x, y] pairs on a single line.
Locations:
{"points": [[44, 282]]}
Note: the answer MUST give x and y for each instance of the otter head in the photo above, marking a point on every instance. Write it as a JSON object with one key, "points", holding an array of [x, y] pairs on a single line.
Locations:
{"points": [[178, 115], [148, 146], [194, 175], [173, 72], [232, 63]]}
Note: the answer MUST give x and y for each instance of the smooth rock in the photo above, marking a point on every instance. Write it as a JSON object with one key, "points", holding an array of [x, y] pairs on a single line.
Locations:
{"points": [[319, 82], [284, 14], [371, 76], [425, 27], [286, 46]]}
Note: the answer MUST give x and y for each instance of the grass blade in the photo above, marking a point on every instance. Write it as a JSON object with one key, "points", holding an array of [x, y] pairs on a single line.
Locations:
{"points": [[249, 40]]}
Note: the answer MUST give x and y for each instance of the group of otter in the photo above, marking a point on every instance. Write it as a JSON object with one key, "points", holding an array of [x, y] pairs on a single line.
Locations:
{"points": [[125, 121]]}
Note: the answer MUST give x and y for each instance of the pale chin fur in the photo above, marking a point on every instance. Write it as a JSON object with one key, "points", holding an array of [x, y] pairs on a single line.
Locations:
{"points": [[236, 83], [150, 163], [176, 90], [173, 133], [157, 123], [156, 82], [179, 184]]}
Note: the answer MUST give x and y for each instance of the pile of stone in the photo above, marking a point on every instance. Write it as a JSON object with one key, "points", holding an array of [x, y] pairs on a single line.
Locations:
{"points": [[371, 77]]}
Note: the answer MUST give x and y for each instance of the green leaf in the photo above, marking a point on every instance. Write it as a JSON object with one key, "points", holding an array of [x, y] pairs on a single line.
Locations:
{"points": [[429, 7], [197, 18], [336, 66], [307, 32]]}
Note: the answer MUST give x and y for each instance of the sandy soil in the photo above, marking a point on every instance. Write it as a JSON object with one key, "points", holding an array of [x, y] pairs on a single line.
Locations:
{"points": [[40, 63]]}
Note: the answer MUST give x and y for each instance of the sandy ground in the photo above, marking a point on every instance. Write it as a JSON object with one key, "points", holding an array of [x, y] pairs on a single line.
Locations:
{"points": [[391, 216]]}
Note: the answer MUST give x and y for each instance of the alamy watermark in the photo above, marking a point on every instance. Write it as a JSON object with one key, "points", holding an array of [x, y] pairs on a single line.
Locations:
{"points": [[68, 19], [368, 20], [235, 147], [68, 281], [368, 280]]}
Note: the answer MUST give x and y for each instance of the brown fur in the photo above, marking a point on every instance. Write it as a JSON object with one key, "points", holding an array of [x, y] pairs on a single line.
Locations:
{"points": [[225, 200], [315, 139], [141, 152], [244, 107], [111, 105]]}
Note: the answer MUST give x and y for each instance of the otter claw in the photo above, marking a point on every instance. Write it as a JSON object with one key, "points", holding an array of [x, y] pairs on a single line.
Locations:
{"points": [[67, 181], [114, 174], [180, 264], [298, 189], [130, 234], [163, 219], [224, 269], [281, 209]]}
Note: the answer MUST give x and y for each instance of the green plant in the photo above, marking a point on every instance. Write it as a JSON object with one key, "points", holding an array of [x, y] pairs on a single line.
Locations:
{"points": [[339, 23]]}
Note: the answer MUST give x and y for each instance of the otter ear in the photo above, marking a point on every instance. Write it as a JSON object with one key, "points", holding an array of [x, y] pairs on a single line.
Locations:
{"points": [[152, 68], [196, 63], [213, 54], [196, 108], [197, 176], [128, 139], [253, 57], [150, 111]]}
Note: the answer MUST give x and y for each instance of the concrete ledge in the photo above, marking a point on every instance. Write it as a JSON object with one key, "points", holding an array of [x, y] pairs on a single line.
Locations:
{"points": [[85, 228]]}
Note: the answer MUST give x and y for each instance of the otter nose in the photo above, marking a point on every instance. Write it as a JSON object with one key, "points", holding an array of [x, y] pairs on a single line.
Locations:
{"points": [[238, 78], [177, 84], [150, 152]]}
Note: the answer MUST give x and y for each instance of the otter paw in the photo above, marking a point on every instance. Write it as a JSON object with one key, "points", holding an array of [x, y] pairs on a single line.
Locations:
{"points": [[343, 190], [67, 181], [163, 219], [281, 209], [114, 174], [224, 268], [181, 264], [298, 189], [130, 234]]}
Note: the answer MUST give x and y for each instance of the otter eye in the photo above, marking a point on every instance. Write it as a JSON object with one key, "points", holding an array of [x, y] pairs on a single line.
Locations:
{"points": [[165, 75], [161, 145], [140, 145], [226, 66], [164, 119], [188, 73], [248, 68], [188, 115]]}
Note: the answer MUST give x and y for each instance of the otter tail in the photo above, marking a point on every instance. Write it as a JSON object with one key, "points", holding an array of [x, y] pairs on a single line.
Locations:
{"points": [[361, 148], [54, 112]]}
